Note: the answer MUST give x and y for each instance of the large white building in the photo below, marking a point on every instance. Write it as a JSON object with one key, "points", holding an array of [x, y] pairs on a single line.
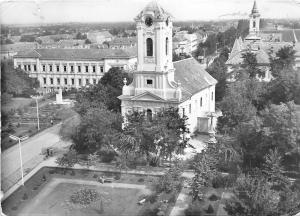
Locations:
{"points": [[72, 68], [159, 83]]}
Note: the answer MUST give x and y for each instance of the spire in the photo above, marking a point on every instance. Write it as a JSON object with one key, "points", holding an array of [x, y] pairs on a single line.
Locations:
{"points": [[254, 9]]}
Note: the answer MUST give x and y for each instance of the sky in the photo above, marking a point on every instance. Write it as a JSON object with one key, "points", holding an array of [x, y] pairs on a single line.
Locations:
{"points": [[60, 11]]}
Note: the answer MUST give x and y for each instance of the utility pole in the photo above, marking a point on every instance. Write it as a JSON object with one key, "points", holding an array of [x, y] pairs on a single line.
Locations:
{"points": [[19, 139]]}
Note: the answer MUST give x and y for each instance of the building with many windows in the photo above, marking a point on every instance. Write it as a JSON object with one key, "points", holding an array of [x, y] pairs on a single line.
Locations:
{"points": [[72, 68], [159, 83]]}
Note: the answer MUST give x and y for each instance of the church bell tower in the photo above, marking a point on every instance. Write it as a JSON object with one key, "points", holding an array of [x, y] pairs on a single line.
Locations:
{"points": [[154, 37], [254, 20]]}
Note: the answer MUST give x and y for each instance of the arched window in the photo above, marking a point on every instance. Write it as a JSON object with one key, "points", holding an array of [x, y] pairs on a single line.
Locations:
{"points": [[254, 24], [201, 102], [167, 45], [149, 43]]}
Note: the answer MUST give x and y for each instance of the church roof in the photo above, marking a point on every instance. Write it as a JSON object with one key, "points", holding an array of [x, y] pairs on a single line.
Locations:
{"points": [[192, 76], [77, 54], [254, 9], [154, 8]]}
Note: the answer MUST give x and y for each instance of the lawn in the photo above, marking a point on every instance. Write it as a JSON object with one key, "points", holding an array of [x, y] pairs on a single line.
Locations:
{"points": [[17, 103], [48, 192]]}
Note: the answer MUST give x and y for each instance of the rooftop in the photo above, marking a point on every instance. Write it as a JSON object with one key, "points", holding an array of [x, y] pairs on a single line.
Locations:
{"points": [[77, 54], [192, 76]]}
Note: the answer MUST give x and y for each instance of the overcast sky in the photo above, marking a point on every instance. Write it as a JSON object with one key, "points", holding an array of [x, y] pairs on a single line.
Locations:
{"points": [[56, 11]]}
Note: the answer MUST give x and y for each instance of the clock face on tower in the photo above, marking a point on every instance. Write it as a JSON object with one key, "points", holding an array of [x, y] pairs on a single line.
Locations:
{"points": [[148, 21]]}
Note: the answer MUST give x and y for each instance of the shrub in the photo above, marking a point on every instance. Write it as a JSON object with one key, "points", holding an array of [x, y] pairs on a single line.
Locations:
{"points": [[84, 196], [210, 209], [107, 156], [95, 176], [14, 208], [173, 198], [141, 180], [25, 196], [194, 209], [214, 197], [224, 181], [152, 198], [118, 176]]}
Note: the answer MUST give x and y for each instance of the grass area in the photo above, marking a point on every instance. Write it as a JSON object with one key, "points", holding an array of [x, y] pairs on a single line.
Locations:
{"points": [[34, 199], [17, 103]]}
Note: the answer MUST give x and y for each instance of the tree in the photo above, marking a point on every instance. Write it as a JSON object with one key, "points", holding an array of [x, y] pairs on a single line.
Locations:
{"points": [[254, 197], [236, 107], [250, 65], [159, 137], [99, 128], [285, 59]]}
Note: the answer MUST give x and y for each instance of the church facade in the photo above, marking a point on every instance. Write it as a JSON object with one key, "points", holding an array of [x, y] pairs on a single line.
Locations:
{"points": [[159, 83]]}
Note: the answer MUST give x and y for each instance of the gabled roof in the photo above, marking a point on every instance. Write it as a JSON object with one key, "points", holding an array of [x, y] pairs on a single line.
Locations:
{"points": [[77, 54], [192, 76], [147, 96]]}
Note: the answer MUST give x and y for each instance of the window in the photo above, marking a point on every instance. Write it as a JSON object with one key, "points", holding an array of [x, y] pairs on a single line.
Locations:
{"points": [[87, 81], [72, 68], [51, 81], [66, 81], [50, 67], [86, 69], [201, 102], [254, 24], [34, 67], [149, 43], [101, 69], [94, 81], [25, 67], [65, 68], [149, 81], [79, 82], [190, 108], [19, 66], [45, 80], [183, 111], [79, 69], [212, 96], [167, 45], [29, 67], [44, 67], [58, 81], [94, 69], [72, 80], [57, 68]]}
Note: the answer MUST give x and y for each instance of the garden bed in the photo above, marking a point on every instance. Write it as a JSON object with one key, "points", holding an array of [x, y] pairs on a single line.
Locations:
{"points": [[41, 196]]}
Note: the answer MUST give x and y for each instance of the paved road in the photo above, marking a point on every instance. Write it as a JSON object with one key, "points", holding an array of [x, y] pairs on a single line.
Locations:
{"points": [[10, 159]]}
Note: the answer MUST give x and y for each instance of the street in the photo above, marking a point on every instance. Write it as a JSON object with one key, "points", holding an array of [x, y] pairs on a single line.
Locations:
{"points": [[31, 150]]}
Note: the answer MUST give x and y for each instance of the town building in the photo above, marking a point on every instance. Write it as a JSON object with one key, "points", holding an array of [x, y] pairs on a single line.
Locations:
{"points": [[72, 68], [122, 43], [99, 37], [264, 43], [65, 44], [185, 43], [8, 51], [159, 83]]}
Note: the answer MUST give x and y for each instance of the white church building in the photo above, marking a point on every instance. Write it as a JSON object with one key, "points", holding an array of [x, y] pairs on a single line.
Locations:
{"points": [[159, 82]]}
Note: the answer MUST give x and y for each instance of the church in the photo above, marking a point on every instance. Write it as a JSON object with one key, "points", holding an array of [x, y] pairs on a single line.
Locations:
{"points": [[264, 43], [159, 83]]}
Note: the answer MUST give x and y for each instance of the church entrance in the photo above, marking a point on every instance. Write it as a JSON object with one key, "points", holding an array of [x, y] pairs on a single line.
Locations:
{"points": [[149, 114]]}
